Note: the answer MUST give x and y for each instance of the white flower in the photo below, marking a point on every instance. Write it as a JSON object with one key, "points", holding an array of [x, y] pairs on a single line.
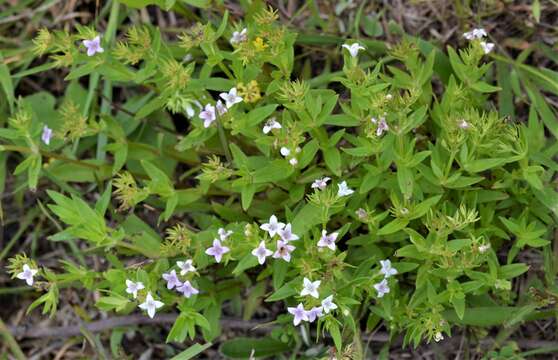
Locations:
{"points": [[464, 124], [283, 251], [320, 183], [486, 46], [344, 190], [353, 48], [299, 314], [310, 288], [270, 125], [221, 109], [362, 214], [93, 46], [315, 312], [382, 288], [46, 135], [382, 126], [475, 34], [231, 97], [287, 235], [208, 115], [27, 274], [151, 305], [328, 305], [187, 289], [190, 112], [438, 337], [172, 279], [293, 161], [484, 248], [273, 226], [224, 234], [387, 270], [285, 151], [261, 252], [134, 287], [239, 36], [217, 250], [328, 240], [185, 266], [389, 97]]}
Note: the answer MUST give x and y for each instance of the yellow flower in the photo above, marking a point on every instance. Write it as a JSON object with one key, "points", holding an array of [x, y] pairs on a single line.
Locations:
{"points": [[259, 44], [250, 92]]}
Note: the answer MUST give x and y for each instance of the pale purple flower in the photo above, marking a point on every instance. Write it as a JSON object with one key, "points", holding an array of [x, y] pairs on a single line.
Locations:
{"points": [[287, 234], [208, 115], [172, 279], [328, 240], [353, 48], [315, 312], [187, 289], [328, 305], [382, 126], [134, 287], [487, 47], [185, 266], [224, 234], [46, 135], [293, 161], [151, 305], [344, 190], [320, 183], [386, 269], [27, 274], [231, 97], [382, 288], [261, 252], [93, 46], [221, 109], [475, 34], [273, 226], [362, 214], [310, 288], [299, 314], [239, 36], [217, 250], [285, 151], [270, 125], [283, 251]]}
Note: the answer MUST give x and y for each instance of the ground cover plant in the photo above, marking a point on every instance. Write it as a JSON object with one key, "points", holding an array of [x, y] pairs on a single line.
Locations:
{"points": [[262, 202]]}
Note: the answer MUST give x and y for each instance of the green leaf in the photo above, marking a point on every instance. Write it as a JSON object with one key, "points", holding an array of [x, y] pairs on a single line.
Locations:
{"points": [[241, 348], [192, 351]]}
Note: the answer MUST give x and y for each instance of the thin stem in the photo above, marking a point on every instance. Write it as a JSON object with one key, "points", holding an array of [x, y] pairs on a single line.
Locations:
{"points": [[224, 141]]}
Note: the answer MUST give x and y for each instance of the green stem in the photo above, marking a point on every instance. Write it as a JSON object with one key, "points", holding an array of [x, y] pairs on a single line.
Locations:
{"points": [[224, 141], [11, 342]]}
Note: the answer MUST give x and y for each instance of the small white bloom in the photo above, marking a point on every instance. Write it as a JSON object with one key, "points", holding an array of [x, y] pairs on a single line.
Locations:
{"points": [[273, 226], [151, 305], [315, 312], [187, 289], [189, 108], [475, 34], [185, 266], [270, 125], [320, 183], [46, 135], [217, 250], [231, 97], [299, 314], [298, 149], [487, 47], [382, 126], [310, 288], [484, 248], [386, 269], [93, 46], [389, 97], [27, 274], [224, 234], [261, 252], [208, 115], [285, 151], [293, 161], [353, 48], [328, 304], [362, 214], [382, 288], [287, 234], [239, 36], [344, 190], [438, 337], [464, 124], [283, 251], [172, 279], [134, 287], [221, 109], [328, 240]]}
